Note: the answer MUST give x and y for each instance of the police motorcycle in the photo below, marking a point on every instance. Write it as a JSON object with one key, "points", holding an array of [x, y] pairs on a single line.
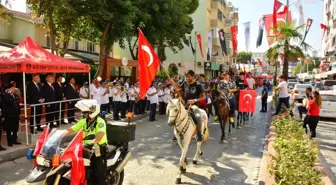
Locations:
{"points": [[53, 171]]}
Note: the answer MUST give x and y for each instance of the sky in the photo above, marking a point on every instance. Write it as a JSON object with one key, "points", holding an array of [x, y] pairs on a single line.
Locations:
{"points": [[253, 10]]}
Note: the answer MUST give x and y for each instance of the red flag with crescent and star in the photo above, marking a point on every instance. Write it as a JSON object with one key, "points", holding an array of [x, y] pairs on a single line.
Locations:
{"points": [[149, 64], [247, 101]]}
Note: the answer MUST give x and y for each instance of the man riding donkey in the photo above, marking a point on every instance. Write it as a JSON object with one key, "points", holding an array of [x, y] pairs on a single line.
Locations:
{"points": [[191, 93]]}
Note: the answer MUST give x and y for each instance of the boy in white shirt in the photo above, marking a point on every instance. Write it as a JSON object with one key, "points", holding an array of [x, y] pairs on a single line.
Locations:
{"points": [[161, 102], [154, 100], [105, 98], [283, 94], [97, 92], [84, 91], [137, 105], [131, 98], [250, 81], [116, 101], [123, 102]]}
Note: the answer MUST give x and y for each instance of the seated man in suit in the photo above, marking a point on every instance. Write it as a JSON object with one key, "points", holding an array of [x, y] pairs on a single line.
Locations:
{"points": [[71, 93], [34, 91], [49, 96]]}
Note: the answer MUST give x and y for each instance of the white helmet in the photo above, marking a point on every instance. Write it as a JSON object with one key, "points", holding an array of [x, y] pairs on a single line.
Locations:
{"points": [[90, 106]]}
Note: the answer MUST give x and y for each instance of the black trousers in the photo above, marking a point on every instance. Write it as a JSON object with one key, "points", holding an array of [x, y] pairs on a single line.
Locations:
{"points": [[131, 105], [12, 128], [148, 104], [215, 107], [50, 115], [302, 110], [104, 107], [312, 122], [137, 107], [110, 105], [282, 101], [35, 112], [162, 110], [152, 112], [143, 106], [57, 115], [99, 169], [116, 110], [264, 105], [71, 112], [123, 108]]}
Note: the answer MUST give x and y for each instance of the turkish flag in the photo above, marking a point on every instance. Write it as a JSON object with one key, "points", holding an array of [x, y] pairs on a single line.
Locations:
{"points": [[149, 64], [247, 101], [74, 152], [276, 7], [323, 27], [40, 142], [281, 18]]}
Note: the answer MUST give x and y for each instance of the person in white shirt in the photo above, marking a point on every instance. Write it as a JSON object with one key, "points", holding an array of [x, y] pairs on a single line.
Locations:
{"points": [[105, 98], [250, 81], [131, 98], [123, 102], [283, 93], [84, 91], [161, 102], [167, 95], [116, 101], [127, 83], [97, 92], [154, 100], [110, 97], [137, 105]]}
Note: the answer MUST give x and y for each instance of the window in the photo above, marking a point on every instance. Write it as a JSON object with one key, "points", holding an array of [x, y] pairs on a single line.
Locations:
{"points": [[219, 15], [76, 44], [48, 41], [90, 47]]}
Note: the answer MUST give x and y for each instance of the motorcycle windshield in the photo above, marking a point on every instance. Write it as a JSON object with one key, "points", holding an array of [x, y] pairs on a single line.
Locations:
{"points": [[50, 147]]}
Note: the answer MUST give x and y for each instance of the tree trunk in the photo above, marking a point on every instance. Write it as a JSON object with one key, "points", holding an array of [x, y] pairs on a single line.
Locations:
{"points": [[101, 52], [52, 33], [285, 64], [132, 47]]}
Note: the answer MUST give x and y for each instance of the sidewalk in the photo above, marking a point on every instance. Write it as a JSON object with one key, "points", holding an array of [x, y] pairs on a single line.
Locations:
{"points": [[18, 151]]}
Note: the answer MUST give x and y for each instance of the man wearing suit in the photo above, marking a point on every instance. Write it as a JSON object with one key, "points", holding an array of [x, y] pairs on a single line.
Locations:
{"points": [[34, 90], [71, 93], [49, 96], [11, 113], [59, 91]]}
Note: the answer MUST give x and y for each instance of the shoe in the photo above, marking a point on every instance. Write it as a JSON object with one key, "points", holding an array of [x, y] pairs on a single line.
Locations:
{"points": [[2, 148], [10, 144], [17, 143], [216, 118]]}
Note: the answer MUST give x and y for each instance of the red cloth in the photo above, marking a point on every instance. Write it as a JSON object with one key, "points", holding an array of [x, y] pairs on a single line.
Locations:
{"points": [[74, 152], [247, 101], [149, 64], [199, 39], [30, 57], [40, 142], [234, 33], [270, 32], [277, 5], [314, 110]]}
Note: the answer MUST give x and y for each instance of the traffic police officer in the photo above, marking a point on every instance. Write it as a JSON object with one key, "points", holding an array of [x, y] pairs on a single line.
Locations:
{"points": [[93, 124]]}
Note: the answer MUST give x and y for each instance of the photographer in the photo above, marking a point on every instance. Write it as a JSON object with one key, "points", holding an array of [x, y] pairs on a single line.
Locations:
{"points": [[302, 108]]}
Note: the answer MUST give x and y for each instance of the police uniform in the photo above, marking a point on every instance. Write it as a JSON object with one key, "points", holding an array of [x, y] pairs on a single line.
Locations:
{"points": [[98, 163], [11, 113]]}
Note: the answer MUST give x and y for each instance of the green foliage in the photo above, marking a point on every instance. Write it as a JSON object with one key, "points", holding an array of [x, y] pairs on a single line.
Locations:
{"points": [[162, 74], [314, 63], [287, 33], [164, 23], [4, 15], [172, 70], [244, 56], [296, 154]]}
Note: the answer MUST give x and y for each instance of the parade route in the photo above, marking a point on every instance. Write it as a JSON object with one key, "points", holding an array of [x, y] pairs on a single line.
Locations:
{"points": [[155, 157]]}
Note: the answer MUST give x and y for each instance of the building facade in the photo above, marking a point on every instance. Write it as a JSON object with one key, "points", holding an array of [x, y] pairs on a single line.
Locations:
{"points": [[329, 38]]}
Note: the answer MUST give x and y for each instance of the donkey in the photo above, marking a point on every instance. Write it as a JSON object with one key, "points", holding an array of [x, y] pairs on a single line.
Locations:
{"points": [[185, 129]]}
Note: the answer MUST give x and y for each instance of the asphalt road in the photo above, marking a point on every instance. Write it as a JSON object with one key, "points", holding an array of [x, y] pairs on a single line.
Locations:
{"points": [[155, 157]]}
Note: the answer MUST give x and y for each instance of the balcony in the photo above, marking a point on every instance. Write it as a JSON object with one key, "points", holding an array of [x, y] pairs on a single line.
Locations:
{"points": [[215, 23], [216, 5]]}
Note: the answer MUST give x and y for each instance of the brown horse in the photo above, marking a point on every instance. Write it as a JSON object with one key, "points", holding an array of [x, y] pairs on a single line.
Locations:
{"points": [[223, 115]]}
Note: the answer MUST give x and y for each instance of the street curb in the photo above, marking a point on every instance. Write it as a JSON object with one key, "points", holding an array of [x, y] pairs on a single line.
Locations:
{"points": [[22, 151]]}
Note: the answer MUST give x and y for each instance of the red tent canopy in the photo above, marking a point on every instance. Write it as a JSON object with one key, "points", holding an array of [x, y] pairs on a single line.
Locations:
{"points": [[29, 57]]}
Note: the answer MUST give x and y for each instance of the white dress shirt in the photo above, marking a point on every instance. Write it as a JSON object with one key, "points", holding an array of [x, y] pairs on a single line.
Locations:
{"points": [[97, 93], [167, 95], [131, 93], [104, 98], [160, 95], [84, 92], [116, 97], [155, 98]]}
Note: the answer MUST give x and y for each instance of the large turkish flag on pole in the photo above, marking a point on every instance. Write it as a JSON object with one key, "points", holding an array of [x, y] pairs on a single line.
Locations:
{"points": [[149, 64], [247, 101]]}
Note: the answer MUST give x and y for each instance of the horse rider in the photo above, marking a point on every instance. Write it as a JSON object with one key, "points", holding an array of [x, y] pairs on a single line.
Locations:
{"points": [[193, 93], [226, 88], [92, 123]]}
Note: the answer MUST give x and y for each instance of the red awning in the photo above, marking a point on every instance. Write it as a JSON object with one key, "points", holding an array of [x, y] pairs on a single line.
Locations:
{"points": [[30, 57]]}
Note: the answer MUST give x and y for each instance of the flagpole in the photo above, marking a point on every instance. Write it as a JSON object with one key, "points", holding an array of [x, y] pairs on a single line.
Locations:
{"points": [[195, 52], [287, 14]]}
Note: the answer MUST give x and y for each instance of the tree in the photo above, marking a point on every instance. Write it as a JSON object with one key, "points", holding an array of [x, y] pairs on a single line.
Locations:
{"points": [[244, 57], [314, 63], [164, 23], [287, 32], [5, 15], [112, 19]]}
